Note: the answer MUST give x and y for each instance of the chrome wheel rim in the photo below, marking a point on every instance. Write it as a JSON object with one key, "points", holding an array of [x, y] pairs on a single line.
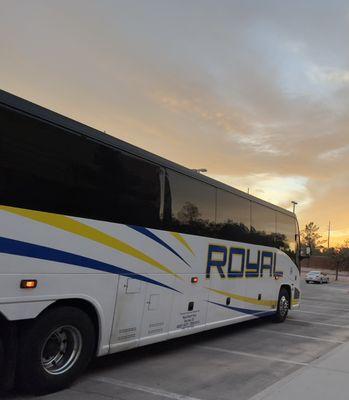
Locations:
{"points": [[61, 350], [283, 306]]}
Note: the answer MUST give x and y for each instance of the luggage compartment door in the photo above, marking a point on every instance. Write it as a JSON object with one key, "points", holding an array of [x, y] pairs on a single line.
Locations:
{"points": [[129, 308]]}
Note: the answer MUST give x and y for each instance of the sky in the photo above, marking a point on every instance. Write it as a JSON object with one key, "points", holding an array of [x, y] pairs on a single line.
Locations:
{"points": [[255, 91]]}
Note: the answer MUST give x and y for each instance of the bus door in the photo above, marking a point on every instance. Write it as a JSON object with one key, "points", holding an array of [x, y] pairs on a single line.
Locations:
{"points": [[128, 313]]}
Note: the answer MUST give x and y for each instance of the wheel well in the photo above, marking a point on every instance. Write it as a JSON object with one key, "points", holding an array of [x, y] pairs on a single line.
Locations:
{"points": [[288, 288], [83, 305]]}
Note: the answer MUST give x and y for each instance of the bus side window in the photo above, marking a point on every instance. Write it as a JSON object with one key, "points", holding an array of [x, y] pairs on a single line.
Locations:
{"points": [[233, 216], [192, 204], [286, 235], [263, 225], [126, 188], [47, 168]]}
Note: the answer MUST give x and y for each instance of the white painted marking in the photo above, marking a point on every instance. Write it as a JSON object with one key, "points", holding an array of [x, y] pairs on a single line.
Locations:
{"points": [[318, 323], [319, 313], [317, 300], [145, 389], [325, 308], [302, 336], [244, 354]]}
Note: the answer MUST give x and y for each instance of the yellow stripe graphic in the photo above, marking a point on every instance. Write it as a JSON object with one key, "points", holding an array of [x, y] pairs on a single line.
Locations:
{"points": [[251, 300], [78, 228], [181, 239]]}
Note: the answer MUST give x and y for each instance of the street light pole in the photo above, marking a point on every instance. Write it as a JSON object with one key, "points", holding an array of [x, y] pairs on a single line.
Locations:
{"points": [[294, 206]]}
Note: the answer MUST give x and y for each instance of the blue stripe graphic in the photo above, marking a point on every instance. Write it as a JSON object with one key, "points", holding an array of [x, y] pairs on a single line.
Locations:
{"points": [[18, 248], [243, 310], [152, 236]]}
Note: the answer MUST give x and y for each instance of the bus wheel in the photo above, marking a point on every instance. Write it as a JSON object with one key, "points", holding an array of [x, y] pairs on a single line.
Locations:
{"points": [[54, 350], [283, 306]]}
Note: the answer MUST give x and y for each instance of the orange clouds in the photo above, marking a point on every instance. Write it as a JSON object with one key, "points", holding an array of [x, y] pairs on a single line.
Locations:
{"points": [[257, 93]]}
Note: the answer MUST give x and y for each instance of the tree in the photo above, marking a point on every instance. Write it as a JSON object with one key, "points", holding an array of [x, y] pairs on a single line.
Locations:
{"points": [[340, 257], [311, 237], [189, 213]]}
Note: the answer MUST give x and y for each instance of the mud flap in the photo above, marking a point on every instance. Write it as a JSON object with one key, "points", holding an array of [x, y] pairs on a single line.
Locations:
{"points": [[8, 354]]}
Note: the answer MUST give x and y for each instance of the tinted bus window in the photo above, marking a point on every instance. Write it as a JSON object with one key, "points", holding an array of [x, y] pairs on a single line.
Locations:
{"points": [[233, 216], [46, 168], [286, 234], [192, 205], [263, 225]]}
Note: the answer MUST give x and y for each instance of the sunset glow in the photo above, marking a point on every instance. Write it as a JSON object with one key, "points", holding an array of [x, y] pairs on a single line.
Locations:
{"points": [[255, 92]]}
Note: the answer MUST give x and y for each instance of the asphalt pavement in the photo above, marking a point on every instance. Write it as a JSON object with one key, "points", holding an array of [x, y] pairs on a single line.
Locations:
{"points": [[305, 356]]}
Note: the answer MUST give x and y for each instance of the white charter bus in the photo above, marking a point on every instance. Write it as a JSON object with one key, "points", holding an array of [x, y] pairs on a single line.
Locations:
{"points": [[106, 247]]}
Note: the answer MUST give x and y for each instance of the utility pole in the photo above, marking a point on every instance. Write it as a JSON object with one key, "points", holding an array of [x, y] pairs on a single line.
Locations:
{"points": [[329, 234]]}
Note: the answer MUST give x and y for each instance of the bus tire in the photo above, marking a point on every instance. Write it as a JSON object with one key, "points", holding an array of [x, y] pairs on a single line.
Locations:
{"points": [[283, 306], [54, 350]]}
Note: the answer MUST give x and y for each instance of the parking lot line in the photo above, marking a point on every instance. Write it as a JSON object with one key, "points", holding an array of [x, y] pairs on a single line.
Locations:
{"points": [[319, 313], [253, 355], [317, 300], [302, 336], [141, 388], [325, 308], [317, 323]]}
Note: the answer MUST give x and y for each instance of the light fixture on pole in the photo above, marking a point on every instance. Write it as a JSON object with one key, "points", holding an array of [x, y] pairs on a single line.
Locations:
{"points": [[199, 170], [294, 206]]}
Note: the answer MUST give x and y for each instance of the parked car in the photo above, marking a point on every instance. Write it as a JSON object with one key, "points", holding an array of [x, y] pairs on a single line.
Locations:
{"points": [[316, 277]]}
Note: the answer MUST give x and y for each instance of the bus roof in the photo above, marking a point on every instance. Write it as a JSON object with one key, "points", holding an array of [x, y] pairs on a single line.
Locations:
{"points": [[24, 106]]}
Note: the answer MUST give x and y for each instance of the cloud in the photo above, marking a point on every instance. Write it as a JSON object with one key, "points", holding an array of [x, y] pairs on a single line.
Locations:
{"points": [[256, 92], [328, 74], [334, 154]]}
